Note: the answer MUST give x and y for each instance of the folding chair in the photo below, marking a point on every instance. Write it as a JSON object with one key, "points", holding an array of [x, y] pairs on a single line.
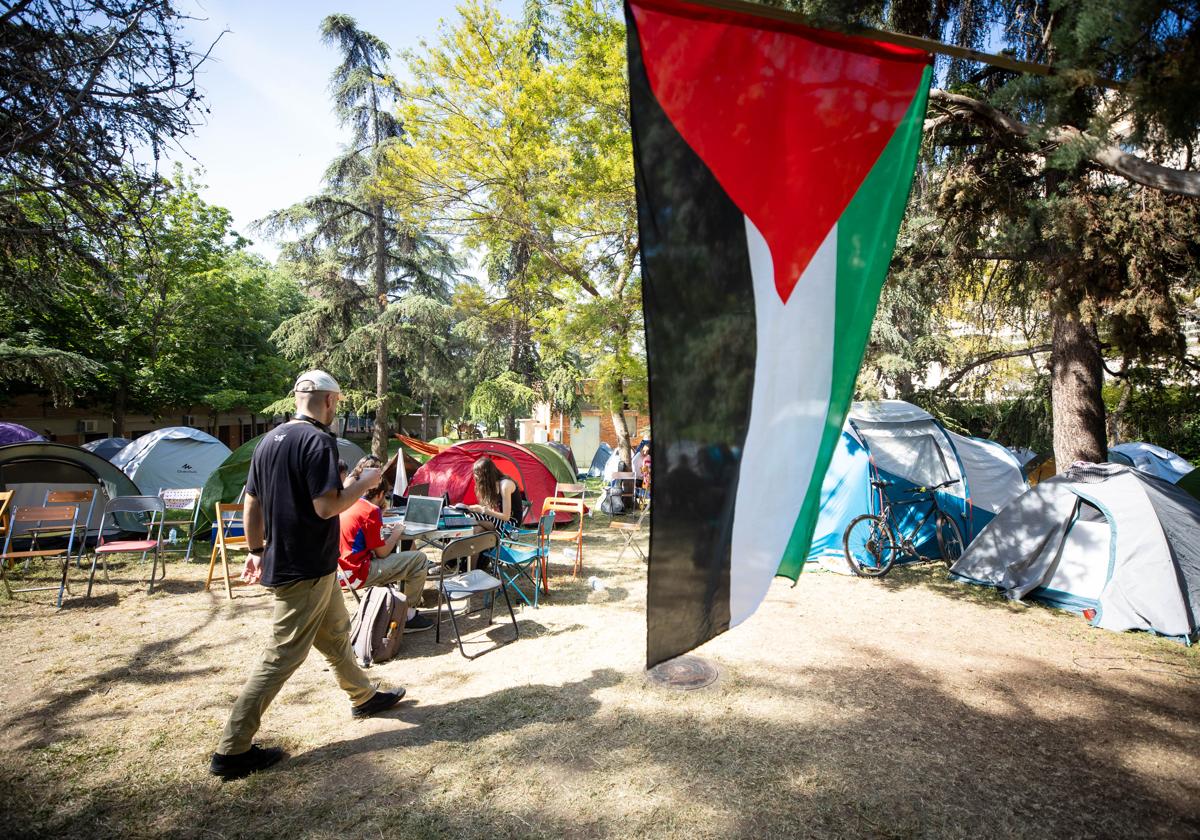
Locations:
{"points": [[146, 506], [5, 501], [515, 558], [228, 516], [183, 512], [344, 582], [467, 584], [577, 508], [63, 519], [570, 491], [632, 531], [75, 498]]}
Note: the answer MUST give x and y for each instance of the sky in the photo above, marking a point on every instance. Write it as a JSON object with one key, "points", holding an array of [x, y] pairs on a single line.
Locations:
{"points": [[271, 130]]}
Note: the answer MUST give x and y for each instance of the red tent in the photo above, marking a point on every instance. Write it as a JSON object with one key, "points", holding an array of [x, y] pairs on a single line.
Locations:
{"points": [[450, 472]]}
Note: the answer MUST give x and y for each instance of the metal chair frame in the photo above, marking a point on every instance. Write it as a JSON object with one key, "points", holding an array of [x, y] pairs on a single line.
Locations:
{"points": [[465, 585], [179, 499], [521, 555], [57, 516], [152, 505]]}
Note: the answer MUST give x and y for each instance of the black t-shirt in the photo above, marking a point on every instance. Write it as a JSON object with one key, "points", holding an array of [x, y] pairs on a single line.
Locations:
{"points": [[294, 464]]}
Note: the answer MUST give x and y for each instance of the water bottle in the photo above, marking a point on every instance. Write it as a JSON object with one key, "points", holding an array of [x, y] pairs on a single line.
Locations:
{"points": [[595, 584], [172, 536]]}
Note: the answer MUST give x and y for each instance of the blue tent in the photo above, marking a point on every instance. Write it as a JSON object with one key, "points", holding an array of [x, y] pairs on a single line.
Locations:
{"points": [[107, 447], [899, 442], [1159, 462], [603, 453]]}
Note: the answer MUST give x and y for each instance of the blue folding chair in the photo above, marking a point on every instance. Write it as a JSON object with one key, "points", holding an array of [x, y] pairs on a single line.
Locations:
{"points": [[516, 559]]}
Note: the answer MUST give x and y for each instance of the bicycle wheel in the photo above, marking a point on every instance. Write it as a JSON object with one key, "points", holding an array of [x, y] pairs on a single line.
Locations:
{"points": [[949, 538], [869, 546]]}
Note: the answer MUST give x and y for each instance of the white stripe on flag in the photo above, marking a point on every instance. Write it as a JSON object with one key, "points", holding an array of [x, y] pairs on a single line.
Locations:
{"points": [[793, 374]]}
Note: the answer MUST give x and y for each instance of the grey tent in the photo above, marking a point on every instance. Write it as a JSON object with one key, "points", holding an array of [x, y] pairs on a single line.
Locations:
{"points": [[1106, 539], [30, 469], [175, 457], [107, 447]]}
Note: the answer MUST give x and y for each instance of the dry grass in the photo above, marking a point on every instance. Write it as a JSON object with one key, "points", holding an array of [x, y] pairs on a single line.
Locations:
{"points": [[909, 707]]}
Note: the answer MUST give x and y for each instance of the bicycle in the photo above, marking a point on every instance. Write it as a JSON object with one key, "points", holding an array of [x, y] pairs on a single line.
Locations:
{"points": [[870, 542]]}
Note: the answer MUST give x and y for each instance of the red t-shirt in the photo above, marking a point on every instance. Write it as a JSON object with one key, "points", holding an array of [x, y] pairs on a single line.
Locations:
{"points": [[362, 533]]}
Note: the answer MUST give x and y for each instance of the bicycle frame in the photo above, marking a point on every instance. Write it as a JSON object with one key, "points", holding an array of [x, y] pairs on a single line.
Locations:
{"points": [[905, 541]]}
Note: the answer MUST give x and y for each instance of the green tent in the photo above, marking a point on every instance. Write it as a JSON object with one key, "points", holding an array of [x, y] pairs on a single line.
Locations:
{"points": [[443, 441], [554, 462], [1191, 483], [226, 482]]}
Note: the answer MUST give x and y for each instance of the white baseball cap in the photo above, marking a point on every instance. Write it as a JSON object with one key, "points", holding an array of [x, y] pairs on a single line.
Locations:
{"points": [[316, 380]]}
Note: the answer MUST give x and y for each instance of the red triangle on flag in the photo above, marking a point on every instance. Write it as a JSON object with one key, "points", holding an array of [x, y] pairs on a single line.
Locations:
{"points": [[789, 119]]}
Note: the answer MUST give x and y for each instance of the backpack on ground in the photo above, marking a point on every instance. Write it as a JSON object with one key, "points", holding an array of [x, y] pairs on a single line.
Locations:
{"points": [[612, 503], [377, 628]]}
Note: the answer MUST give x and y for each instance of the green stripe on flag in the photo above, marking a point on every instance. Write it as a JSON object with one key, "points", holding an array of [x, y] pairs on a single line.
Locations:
{"points": [[866, 237]]}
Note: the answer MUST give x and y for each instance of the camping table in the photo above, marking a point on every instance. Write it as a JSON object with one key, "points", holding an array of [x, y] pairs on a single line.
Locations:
{"points": [[434, 539]]}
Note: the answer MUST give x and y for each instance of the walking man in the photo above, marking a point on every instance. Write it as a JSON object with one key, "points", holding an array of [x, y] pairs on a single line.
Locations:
{"points": [[293, 498]]}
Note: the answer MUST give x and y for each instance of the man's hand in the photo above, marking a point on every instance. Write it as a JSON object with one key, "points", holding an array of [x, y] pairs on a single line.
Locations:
{"points": [[252, 572], [371, 475]]}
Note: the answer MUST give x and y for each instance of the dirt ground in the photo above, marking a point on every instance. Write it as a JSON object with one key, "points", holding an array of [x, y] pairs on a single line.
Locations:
{"points": [[908, 707]]}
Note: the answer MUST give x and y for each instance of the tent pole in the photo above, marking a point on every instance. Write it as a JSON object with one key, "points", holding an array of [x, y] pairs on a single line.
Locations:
{"points": [[898, 38]]}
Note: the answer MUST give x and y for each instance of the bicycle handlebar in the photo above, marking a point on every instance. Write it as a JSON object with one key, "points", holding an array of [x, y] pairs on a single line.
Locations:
{"points": [[920, 490]]}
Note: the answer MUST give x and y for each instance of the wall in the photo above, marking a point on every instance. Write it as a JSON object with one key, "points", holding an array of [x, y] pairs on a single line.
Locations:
{"points": [[638, 425], [61, 424]]}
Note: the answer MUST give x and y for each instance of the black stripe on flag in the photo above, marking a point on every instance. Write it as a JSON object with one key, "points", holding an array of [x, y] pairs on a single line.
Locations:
{"points": [[698, 301]]}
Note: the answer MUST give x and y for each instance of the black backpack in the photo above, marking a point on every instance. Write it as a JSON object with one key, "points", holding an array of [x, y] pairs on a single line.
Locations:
{"points": [[612, 503]]}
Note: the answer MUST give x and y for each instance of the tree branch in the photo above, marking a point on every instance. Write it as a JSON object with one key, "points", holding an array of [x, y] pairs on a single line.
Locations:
{"points": [[1109, 156], [987, 358]]}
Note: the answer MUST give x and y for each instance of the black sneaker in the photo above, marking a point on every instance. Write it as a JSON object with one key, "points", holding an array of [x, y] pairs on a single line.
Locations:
{"points": [[418, 623], [243, 764], [381, 702]]}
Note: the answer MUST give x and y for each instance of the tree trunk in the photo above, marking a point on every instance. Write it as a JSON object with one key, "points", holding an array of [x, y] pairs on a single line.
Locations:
{"points": [[622, 430], [514, 357], [1076, 382], [120, 403], [425, 418], [379, 437]]}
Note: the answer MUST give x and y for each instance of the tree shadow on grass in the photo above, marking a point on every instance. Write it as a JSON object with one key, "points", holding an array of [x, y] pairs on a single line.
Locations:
{"points": [[155, 662], [876, 748]]}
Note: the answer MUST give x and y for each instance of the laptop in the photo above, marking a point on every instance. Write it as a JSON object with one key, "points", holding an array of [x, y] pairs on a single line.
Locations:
{"points": [[421, 515]]}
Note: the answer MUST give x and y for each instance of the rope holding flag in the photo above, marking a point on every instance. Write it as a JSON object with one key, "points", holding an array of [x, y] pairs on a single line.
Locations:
{"points": [[773, 165]]}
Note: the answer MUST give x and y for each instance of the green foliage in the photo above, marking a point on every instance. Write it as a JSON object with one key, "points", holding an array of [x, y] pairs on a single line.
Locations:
{"points": [[495, 399], [140, 334], [519, 142]]}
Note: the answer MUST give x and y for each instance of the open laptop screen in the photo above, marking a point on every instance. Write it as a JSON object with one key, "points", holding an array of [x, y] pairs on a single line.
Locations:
{"points": [[422, 510]]}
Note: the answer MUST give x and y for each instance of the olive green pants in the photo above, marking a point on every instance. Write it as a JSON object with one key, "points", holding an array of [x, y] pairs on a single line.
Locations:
{"points": [[308, 614]]}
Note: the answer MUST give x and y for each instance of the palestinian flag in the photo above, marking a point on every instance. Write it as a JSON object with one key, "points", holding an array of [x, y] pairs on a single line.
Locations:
{"points": [[773, 165]]}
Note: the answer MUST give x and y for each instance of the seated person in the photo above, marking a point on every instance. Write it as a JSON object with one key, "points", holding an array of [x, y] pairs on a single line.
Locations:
{"points": [[502, 504], [370, 560]]}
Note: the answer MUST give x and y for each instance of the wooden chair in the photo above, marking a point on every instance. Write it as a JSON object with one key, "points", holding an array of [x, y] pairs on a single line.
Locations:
{"points": [[631, 531], [227, 516], [85, 500], [150, 511], [570, 491], [5, 501], [61, 519], [576, 507]]}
